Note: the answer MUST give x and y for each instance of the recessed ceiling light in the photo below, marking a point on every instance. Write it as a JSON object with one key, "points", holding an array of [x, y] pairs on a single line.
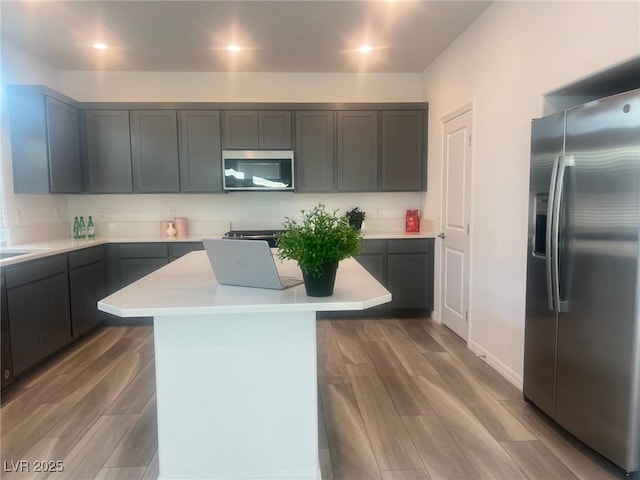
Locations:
{"points": [[100, 46], [233, 48], [365, 48]]}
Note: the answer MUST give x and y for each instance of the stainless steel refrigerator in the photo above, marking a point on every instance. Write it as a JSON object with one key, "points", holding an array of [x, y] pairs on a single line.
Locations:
{"points": [[582, 330]]}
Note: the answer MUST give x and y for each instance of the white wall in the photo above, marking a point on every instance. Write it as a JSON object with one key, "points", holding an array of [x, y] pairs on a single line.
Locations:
{"points": [[239, 87], [29, 218], [504, 63]]}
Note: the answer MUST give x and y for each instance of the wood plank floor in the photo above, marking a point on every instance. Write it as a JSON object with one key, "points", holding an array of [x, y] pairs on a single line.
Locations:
{"points": [[400, 399]]}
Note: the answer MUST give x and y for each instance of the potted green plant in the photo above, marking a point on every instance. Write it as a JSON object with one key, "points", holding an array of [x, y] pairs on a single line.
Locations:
{"points": [[356, 217], [318, 242]]}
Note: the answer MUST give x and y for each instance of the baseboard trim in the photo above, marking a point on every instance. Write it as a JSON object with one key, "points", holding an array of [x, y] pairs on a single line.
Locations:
{"points": [[496, 364]]}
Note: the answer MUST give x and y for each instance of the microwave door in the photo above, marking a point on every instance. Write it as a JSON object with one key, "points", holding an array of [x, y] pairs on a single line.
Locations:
{"points": [[258, 171]]}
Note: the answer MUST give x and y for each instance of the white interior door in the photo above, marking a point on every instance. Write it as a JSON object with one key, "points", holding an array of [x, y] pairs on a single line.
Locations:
{"points": [[456, 206]]}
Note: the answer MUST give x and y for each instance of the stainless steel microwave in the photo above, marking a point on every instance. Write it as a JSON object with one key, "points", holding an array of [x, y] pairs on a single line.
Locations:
{"points": [[257, 170]]}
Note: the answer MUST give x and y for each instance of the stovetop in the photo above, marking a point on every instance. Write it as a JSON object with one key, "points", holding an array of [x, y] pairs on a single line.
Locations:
{"points": [[267, 235]]}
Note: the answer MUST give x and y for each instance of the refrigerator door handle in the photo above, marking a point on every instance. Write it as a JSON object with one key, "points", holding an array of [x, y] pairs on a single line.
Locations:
{"points": [[551, 224], [564, 162]]}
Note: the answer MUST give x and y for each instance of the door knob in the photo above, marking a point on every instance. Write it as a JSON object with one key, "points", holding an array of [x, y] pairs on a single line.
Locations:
{"points": [[441, 235]]}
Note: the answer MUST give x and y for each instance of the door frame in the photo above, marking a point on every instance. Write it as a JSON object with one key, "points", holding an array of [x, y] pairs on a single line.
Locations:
{"points": [[468, 107]]}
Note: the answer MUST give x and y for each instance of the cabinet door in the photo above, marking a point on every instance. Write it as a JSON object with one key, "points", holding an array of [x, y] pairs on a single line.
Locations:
{"points": [[132, 269], [410, 279], [6, 370], [154, 141], [53, 313], [357, 151], [45, 148], [274, 130], [241, 130], [86, 287], [315, 161], [200, 151], [177, 250], [64, 147], [26, 344], [374, 264], [108, 151], [402, 155]]}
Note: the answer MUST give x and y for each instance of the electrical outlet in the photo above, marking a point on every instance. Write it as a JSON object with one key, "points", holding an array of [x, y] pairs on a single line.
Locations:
{"points": [[101, 212], [172, 212], [378, 210]]}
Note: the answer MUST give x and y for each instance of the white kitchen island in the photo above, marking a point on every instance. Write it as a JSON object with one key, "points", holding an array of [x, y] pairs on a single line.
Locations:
{"points": [[236, 374]]}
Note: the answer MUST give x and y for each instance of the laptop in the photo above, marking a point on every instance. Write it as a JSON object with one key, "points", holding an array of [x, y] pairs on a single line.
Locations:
{"points": [[246, 263]]}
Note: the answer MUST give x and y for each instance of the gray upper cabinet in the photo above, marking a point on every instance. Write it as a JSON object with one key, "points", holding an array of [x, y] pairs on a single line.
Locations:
{"points": [[357, 151], [247, 129], [107, 143], [45, 143], [61, 146], [200, 151], [240, 130], [154, 147], [274, 130], [402, 151], [64, 147], [315, 160]]}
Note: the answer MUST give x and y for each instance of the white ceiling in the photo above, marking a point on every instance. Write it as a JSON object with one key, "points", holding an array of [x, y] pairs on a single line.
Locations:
{"points": [[277, 36]]}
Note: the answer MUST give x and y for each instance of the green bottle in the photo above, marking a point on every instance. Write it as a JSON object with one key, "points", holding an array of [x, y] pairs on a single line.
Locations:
{"points": [[91, 229], [82, 229], [76, 225]]}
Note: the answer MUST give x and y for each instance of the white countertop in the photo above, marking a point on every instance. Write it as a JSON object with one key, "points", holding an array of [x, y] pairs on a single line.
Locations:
{"points": [[396, 235], [188, 286], [54, 247]]}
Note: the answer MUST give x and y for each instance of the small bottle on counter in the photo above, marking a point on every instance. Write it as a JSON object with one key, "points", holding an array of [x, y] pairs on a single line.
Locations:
{"points": [[76, 225], [91, 229], [82, 229]]}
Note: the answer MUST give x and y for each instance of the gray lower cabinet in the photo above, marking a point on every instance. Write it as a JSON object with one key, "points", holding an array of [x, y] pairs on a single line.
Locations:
{"points": [[132, 269], [128, 262], [405, 268], [177, 250], [315, 159], [50, 301], [373, 258], [139, 259], [357, 151], [250, 129], [45, 142], [403, 166], [38, 310], [154, 147], [107, 151], [86, 288], [200, 151], [410, 273], [6, 360]]}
